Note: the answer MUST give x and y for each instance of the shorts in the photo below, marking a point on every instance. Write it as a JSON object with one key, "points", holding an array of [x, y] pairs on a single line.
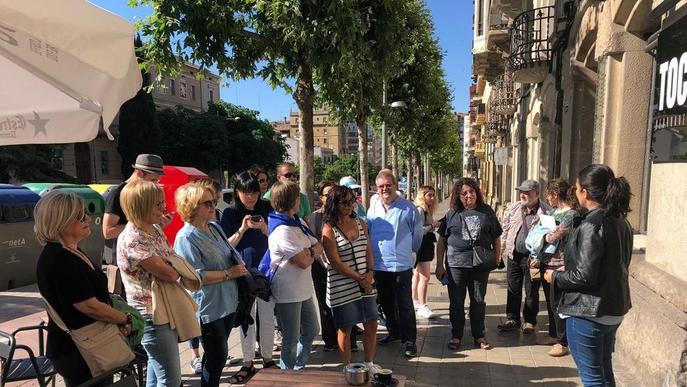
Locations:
{"points": [[352, 313], [426, 251]]}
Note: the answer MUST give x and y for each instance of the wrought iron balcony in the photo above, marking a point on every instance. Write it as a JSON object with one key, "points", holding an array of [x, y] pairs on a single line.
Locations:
{"points": [[506, 95], [530, 46]]}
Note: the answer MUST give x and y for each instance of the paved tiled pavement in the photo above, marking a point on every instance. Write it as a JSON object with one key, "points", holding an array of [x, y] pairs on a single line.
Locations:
{"points": [[515, 359]]}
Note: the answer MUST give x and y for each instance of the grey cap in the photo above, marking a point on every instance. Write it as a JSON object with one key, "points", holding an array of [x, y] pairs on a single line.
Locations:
{"points": [[528, 185], [149, 163]]}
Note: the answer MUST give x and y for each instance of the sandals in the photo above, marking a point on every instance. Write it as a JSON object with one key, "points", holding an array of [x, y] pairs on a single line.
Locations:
{"points": [[483, 343], [454, 344], [242, 375], [270, 364]]}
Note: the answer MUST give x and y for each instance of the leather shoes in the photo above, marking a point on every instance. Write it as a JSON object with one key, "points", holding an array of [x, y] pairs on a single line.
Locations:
{"points": [[410, 349], [388, 339]]}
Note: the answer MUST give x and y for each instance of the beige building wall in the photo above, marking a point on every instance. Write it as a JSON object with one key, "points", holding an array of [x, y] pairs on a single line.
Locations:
{"points": [[325, 133], [187, 91]]}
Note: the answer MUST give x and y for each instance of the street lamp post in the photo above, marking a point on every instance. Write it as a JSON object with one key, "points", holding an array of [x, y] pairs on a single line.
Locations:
{"points": [[395, 104]]}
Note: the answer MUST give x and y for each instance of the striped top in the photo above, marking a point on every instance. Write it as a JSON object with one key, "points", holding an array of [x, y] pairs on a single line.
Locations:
{"points": [[340, 288]]}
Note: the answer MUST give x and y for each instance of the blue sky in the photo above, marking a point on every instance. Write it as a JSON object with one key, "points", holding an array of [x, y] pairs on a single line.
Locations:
{"points": [[453, 26]]}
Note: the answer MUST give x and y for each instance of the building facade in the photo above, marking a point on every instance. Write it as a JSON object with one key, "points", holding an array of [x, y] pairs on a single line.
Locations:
{"points": [[560, 84], [98, 161]]}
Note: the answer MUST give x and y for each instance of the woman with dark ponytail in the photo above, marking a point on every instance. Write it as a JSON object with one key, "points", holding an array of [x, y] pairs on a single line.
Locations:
{"points": [[596, 292]]}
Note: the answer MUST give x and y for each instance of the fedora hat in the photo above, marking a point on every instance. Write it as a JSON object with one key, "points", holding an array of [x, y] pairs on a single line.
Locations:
{"points": [[149, 163]]}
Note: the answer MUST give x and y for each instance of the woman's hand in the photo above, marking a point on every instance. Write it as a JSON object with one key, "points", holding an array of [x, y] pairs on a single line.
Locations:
{"points": [[440, 272], [367, 282], [436, 224], [261, 225], [245, 225], [534, 263], [237, 271], [548, 276], [125, 329], [317, 250]]}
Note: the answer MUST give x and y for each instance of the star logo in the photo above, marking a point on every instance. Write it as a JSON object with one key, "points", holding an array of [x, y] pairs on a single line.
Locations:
{"points": [[38, 124]]}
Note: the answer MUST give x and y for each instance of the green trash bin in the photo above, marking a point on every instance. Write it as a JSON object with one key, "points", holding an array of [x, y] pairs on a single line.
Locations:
{"points": [[94, 205]]}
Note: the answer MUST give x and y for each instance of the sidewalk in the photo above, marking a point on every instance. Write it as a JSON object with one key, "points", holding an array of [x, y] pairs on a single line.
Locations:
{"points": [[515, 359]]}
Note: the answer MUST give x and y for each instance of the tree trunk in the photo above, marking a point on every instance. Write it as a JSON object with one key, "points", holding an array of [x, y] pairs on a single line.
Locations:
{"points": [[361, 121], [304, 95], [394, 158], [411, 169]]}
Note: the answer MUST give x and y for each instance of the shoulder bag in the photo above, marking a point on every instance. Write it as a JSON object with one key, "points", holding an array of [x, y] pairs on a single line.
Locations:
{"points": [[482, 258], [101, 344]]}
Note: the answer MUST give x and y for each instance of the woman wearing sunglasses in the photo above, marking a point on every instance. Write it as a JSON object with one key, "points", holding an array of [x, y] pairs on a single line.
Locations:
{"points": [[203, 244]]}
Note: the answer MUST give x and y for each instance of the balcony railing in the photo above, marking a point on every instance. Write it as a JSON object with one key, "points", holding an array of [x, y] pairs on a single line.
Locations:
{"points": [[529, 44], [506, 96]]}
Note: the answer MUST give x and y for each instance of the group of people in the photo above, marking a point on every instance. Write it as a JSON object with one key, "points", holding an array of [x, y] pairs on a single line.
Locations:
{"points": [[357, 264]]}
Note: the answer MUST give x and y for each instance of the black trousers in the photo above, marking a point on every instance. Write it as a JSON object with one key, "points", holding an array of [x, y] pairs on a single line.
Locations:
{"points": [[518, 277], [556, 323], [395, 294], [214, 338], [474, 283], [72, 367], [319, 279]]}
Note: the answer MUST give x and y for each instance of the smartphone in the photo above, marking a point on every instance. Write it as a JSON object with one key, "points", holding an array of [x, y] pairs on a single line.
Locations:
{"points": [[255, 218], [444, 280]]}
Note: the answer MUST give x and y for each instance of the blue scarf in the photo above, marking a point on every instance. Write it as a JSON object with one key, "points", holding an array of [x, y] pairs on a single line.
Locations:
{"points": [[274, 220]]}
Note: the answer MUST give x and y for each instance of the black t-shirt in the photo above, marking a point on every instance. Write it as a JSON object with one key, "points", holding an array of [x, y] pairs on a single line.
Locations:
{"points": [[483, 227], [63, 280], [112, 205]]}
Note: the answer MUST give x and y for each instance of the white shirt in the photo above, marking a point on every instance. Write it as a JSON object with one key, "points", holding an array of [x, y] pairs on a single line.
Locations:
{"points": [[290, 283]]}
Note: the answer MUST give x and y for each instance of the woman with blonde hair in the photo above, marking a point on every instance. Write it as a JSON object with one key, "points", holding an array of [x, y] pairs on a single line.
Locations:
{"points": [[75, 289], [425, 201], [204, 245], [147, 263]]}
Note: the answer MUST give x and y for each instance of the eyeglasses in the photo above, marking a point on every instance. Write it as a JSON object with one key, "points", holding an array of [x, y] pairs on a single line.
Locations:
{"points": [[209, 203], [291, 175], [387, 186]]}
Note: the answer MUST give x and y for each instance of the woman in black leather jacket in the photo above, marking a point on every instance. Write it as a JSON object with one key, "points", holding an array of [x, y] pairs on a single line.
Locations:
{"points": [[596, 293]]}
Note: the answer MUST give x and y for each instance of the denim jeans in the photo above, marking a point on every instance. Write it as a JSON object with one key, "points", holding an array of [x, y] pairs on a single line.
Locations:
{"points": [[591, 345], [518, 276], [162, 346], [299, 326], [214, 336], [395, 295], [474, 282]]}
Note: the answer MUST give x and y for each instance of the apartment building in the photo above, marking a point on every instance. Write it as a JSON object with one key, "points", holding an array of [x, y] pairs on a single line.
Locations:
{"points": [[560, 84]]}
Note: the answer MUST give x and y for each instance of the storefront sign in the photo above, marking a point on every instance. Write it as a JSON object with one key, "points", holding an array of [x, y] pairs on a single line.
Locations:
{"points": [[671, 69]]}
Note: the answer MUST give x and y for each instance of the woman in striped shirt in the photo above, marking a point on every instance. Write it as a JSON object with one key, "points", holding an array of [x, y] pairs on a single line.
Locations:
{"points": [[350, 283]]}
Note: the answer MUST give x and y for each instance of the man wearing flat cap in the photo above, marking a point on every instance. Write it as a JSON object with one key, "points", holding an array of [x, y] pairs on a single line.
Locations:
{"points": [[517, 223], [147, 167]]}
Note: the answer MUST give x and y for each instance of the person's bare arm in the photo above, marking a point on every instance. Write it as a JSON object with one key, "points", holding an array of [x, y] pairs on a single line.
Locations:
{"points": [[100, 311], [111, 226], [160, 269], [303, 259]]}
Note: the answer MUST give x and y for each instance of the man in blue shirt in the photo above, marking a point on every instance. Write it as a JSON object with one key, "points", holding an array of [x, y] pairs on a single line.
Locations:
{"points": [[395, 229]]}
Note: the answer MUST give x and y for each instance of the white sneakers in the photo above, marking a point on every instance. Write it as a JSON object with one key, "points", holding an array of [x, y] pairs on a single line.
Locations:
{"points": [[423, 311], [197, 365]]}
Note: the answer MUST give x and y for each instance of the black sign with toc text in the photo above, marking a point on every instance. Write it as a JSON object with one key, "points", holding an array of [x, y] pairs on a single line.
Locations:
{"points": [[671, 69]]}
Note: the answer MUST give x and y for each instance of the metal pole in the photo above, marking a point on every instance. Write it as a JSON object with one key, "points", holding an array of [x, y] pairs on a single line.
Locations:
{"points": [[383, 126]]}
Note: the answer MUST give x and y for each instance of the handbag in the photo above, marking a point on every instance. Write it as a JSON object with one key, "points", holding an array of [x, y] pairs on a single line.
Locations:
{"points": [[101, 344], [483, 259]]}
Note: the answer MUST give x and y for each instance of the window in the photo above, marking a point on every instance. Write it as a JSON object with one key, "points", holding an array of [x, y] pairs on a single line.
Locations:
{"points": [[212, 96], [104, 163], [162, 88], [173, 86], [182, 90], [57, 160], [324, 140], [193, 92]]}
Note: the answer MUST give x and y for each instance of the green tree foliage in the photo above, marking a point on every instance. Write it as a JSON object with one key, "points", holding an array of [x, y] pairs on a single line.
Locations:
{"points": [[138, 126], [278, 40], [30, 163], [213, 140], [345, 166]]}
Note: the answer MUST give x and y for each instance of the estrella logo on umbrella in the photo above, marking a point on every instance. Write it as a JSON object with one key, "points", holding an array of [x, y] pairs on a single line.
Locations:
{"points": [[10, 125]]}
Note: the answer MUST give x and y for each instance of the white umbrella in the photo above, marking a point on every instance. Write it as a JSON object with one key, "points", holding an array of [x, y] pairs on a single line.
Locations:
{"points": [[64, 64]]}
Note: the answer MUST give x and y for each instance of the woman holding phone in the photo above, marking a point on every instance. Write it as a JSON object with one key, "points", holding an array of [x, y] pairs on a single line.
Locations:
{"points": [[245, 221]]}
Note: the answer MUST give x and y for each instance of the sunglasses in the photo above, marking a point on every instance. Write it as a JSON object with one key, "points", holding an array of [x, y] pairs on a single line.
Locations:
{"points": [[290, 175], [209, 203]]}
